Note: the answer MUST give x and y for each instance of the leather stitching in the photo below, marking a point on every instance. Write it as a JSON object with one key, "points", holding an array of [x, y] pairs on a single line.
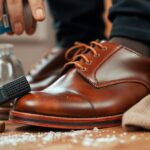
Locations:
{"points": [[104, 84], [106, 58]]}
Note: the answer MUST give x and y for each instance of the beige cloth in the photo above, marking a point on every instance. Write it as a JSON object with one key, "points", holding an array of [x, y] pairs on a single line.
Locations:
{"points": [[138, 116]]}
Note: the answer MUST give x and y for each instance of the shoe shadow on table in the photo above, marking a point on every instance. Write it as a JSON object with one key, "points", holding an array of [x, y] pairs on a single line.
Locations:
{"points": [[35, 129]]}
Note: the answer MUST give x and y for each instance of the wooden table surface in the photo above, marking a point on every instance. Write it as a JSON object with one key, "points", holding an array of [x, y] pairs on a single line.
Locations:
{"points": [[18, 137]]}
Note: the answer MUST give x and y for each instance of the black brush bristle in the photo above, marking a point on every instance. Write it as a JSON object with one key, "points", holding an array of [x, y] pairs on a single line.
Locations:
{"points": [[14, 89]]}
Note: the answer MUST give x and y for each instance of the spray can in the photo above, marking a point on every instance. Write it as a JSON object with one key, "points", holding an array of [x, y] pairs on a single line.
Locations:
{"points": [[5, 25]]}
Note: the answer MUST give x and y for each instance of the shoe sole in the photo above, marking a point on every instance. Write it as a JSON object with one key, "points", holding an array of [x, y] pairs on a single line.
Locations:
{"points": [[4, 113], [64, 123]]}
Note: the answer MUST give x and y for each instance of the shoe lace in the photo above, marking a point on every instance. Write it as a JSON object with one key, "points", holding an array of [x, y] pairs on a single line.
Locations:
{"points": [[81, 49]]}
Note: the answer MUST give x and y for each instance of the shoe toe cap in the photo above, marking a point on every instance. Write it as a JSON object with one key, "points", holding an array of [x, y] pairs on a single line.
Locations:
{"points": [[69, 105]]}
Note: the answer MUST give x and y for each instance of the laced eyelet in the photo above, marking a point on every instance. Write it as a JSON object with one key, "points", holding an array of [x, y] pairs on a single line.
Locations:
{"points": [[96, 55], [89, 63], [105, 48], [84, 69]]}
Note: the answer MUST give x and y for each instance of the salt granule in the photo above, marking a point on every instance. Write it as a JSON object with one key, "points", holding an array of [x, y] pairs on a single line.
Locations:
{"points": [[98, 141], [93, 138], [133, 137]]}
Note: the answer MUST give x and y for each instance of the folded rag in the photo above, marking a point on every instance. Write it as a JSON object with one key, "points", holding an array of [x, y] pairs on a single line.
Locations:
{"points": [[138, 117]]}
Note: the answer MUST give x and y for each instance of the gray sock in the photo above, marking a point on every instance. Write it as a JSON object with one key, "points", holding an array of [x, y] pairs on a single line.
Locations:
{"points": [[141, 47]]}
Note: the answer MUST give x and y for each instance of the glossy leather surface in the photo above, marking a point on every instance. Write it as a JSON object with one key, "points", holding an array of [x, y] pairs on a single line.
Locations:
{"points": [[113, 82]]}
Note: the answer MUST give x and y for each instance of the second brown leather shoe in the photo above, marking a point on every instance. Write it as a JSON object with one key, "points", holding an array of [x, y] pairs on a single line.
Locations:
{"points": [[95, 89], [47, 70]]}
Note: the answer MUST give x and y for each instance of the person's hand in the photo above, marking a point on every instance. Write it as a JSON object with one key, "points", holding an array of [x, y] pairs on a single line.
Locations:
{"points": [[16, 13]]}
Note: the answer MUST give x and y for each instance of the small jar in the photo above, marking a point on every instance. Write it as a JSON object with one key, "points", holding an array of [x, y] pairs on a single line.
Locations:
{"points": [[10, 67]]}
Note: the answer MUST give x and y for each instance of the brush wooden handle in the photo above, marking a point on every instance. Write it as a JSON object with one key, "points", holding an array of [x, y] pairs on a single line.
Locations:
{"points": [[2, 126]]}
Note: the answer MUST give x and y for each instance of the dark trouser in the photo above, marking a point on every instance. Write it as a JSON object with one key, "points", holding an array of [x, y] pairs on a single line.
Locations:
{"points": [[77, 20], [131, 18], [81, 20]]}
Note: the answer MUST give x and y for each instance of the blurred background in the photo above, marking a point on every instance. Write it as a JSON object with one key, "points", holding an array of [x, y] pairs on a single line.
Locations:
{"points": [[29, 49]]}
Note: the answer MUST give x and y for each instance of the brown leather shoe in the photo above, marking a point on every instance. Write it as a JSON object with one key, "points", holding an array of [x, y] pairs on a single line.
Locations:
{"points": [[47, 70], [94, 90]]}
